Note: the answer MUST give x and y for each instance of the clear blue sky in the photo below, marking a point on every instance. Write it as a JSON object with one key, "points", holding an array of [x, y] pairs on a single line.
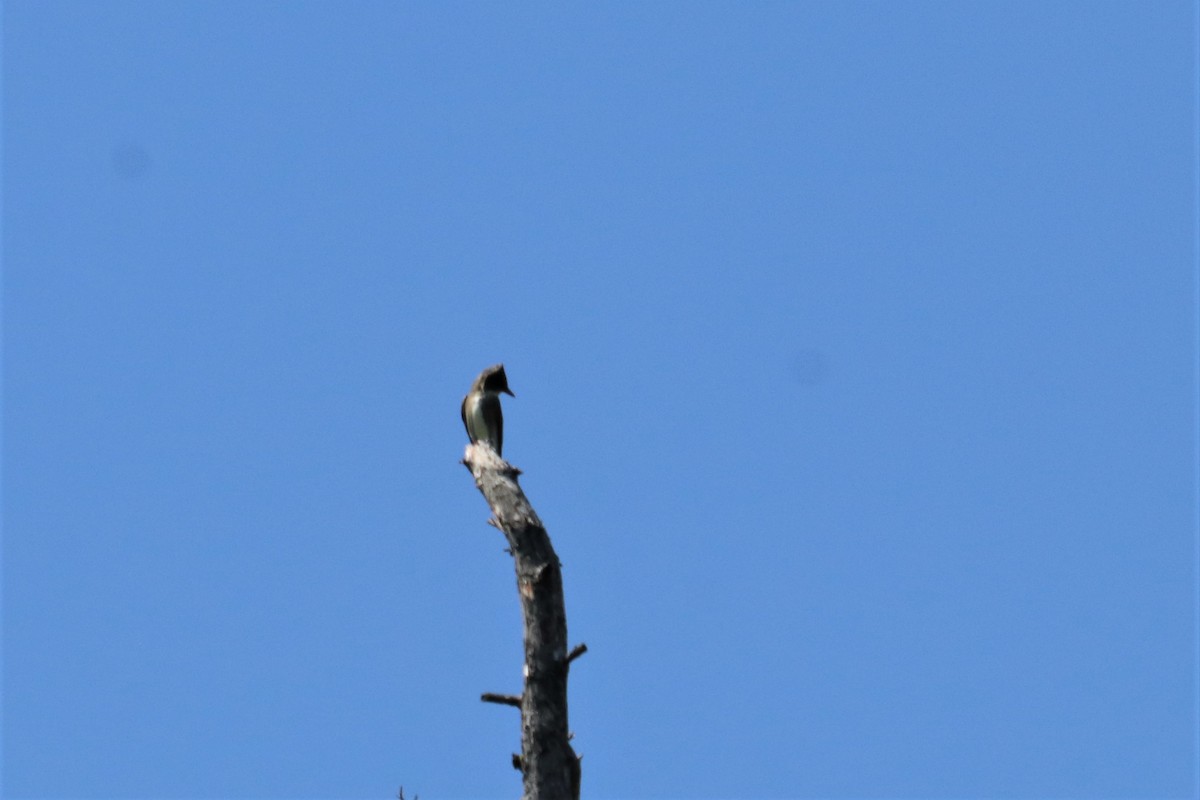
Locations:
{"points": [[854, 346]]}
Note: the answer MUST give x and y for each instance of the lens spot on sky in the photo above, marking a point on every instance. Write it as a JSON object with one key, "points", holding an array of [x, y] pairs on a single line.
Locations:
{"points": [[130, 160], [810, 367]]}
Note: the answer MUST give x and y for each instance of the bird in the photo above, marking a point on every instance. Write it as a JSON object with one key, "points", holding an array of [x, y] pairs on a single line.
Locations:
{"points": [[481, 413]]}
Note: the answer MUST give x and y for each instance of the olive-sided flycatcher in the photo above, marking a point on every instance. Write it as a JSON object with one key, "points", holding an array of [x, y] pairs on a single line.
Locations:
{"points": [[481, 407]]}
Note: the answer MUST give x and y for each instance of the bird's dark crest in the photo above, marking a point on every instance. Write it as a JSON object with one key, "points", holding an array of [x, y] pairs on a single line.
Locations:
{"points": [[496, 380]]}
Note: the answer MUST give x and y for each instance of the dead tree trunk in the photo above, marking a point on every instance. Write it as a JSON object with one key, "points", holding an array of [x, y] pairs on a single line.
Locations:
{"points": [[547, 762]]}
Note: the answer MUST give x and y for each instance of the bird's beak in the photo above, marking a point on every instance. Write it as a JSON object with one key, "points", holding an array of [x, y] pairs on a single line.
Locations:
{"points": [[508, 391]]}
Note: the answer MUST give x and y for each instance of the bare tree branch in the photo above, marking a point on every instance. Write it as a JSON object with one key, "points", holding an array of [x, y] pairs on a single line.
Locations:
{"points": [[502, 699], [548, 764]]}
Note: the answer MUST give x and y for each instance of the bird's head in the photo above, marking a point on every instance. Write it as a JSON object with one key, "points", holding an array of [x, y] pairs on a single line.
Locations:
{"points": [[493, 379]]}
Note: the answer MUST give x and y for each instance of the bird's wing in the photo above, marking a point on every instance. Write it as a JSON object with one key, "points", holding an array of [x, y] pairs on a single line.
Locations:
{"points": [[463, 412], [489, 406]]}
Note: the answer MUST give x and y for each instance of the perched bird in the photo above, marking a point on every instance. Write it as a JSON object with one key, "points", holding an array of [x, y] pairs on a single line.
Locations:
{"points": [[481, 407]]}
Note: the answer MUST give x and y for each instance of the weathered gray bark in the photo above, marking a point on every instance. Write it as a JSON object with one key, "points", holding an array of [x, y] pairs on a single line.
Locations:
{"points": [[547, 762]]}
